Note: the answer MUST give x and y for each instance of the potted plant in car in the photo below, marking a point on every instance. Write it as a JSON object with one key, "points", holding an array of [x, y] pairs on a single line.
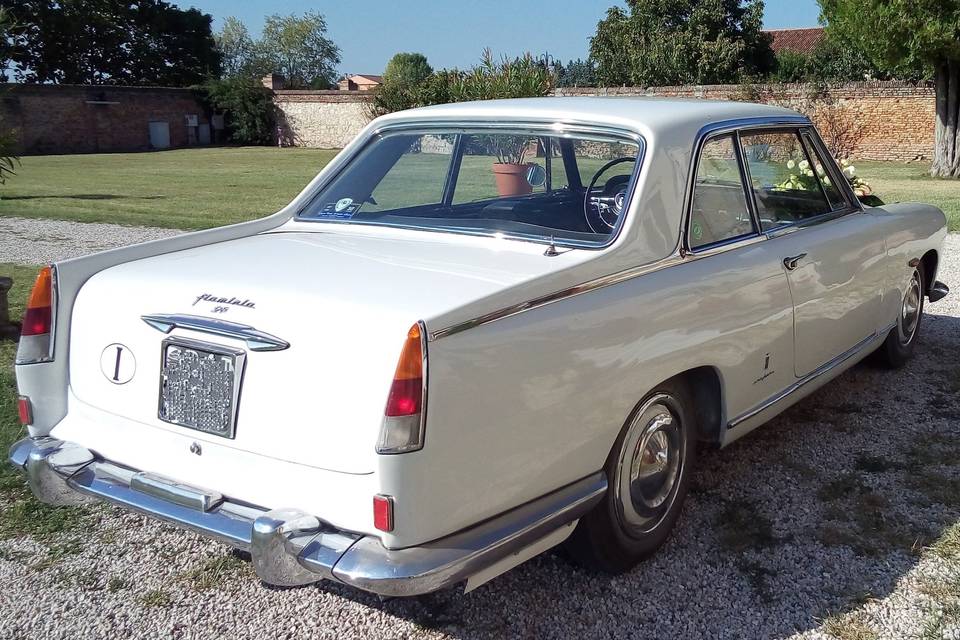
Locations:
{"points": [[517, 78], [510, 170]]}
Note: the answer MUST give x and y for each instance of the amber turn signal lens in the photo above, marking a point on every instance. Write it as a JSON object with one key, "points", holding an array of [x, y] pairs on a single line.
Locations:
{"points": [[411, 358], [39, 313]]}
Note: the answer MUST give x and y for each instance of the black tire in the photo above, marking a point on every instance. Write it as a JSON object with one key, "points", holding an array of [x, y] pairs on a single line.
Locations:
{"points": [[610, 538], [897, 349]]}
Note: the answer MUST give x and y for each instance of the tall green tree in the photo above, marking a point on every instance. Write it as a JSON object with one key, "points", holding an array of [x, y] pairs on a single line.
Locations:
{"points": [[237, 49], [110, 42], [904, 36], [665, 42], [299, 49], [407, 68]]}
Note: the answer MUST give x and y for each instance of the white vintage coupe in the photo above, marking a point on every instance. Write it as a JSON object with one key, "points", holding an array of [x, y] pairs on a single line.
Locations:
{"points": [[483, 330]]}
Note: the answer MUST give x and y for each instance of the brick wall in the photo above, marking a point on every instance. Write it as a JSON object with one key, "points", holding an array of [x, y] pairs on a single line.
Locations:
{"points": [[323, 119], [891, 120], [82, 119]]}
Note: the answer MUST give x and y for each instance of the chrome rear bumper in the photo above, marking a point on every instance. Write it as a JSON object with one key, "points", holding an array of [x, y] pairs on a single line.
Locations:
{"points": [[289, 547]]}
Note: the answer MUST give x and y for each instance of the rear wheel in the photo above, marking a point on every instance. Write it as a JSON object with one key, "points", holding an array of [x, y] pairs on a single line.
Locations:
{"points": [[902, 339], [648, 472]]}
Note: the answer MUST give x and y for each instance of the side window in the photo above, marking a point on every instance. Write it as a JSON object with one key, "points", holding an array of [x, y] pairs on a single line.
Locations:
{"points": [[719, 209], [417, 177], [783, 179], [833, 193]]}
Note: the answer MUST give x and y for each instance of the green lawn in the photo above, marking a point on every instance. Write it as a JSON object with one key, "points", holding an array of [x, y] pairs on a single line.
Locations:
{"points": [[899, 182], [20, 512], [200, 188], [180, 189]]}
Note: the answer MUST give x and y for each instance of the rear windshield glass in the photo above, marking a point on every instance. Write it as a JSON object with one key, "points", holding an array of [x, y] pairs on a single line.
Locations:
{"points": [[568, 188]]}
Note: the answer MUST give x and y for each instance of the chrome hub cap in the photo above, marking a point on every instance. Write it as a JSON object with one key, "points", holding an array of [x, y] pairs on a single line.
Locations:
{"points": [[651, 465], [910, 310]]}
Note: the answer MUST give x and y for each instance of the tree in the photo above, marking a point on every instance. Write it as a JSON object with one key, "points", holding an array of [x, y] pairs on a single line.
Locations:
{"points": [[910, 36], [664, 42], [250, 114], [576, 73], [298, 48], [236, 49], [404, 84], [144, 42], [410, 69], [9, 160]]}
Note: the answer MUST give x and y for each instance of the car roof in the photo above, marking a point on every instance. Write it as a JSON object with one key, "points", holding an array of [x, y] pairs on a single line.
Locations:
{"points": [[650, 113]]}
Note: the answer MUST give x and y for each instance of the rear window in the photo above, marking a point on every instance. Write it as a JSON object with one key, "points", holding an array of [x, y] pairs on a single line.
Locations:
{"points": [[566, 188]]}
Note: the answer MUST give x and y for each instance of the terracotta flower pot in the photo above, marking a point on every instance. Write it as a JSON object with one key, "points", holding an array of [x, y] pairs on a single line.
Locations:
{"points": [[511, 179]]}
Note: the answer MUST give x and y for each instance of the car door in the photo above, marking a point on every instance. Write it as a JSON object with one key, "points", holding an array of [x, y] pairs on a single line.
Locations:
{"points": [[745, 296], [830, 249]]}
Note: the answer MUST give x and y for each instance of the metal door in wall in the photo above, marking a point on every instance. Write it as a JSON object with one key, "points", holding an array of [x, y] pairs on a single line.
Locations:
{"points": [[159, 135]]}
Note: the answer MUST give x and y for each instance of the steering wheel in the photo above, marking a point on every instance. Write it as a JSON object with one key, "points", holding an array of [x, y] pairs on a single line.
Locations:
{"points": [[605, 209]]}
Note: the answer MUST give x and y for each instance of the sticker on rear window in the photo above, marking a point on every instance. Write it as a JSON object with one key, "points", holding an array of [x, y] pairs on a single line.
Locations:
{"points": [[343, 208]]}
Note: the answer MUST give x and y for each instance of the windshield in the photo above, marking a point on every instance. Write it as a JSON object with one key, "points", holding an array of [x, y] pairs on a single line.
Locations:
{"points": [[567, 188]]}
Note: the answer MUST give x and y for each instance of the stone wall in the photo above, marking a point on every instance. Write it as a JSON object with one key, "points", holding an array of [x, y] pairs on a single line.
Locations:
{"points": [[323, 119], [882, 120], [91, 119]]}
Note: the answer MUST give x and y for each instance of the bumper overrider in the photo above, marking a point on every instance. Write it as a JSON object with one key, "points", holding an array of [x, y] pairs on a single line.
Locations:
{"points": [[289, 547]]}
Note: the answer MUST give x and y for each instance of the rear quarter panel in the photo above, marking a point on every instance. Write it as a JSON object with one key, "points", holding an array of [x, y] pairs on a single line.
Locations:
{"points": [[527, 404]]}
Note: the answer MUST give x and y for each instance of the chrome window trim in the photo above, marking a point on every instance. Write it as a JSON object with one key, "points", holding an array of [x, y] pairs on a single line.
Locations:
{"points": [[717, 129], [830, 165], [711, 248], [561, 129], [681, 252]]}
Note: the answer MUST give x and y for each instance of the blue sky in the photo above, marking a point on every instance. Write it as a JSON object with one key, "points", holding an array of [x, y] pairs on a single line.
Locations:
{"points": [[453, 33]]}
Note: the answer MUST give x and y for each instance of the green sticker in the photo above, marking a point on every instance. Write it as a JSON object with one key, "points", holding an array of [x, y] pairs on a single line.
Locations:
{"points": [[697, 231]]}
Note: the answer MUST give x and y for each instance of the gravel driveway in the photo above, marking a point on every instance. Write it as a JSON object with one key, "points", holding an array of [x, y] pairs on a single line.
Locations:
{"points": [[34, 241], [814, 526]]}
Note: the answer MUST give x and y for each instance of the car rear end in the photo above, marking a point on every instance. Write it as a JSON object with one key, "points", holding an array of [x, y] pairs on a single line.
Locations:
{"points": [[261, 417]]}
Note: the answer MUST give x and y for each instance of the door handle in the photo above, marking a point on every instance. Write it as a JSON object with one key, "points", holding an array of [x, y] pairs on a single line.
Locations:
{"points": [[792, 262]]}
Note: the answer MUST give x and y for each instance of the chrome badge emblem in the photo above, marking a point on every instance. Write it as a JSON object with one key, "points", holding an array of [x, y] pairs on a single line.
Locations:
{"points": [[118, 364]]}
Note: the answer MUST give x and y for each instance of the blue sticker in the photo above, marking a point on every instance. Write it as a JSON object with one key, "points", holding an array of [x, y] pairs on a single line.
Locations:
{"points": [[342, 209]]}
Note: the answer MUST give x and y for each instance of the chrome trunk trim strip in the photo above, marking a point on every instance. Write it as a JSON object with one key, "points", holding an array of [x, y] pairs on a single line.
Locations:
{"points": [[256, 340]]}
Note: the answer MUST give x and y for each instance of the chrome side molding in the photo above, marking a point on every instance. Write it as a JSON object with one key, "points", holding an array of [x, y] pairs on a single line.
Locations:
{"points": [[256, 340], [810, 377]]}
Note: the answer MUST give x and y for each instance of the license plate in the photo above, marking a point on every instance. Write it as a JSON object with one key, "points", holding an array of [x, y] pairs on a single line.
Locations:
{"points": [[200, 386]]}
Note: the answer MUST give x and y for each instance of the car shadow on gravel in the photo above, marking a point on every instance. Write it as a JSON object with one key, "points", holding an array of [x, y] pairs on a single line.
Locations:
{"points": [[822, 509]]}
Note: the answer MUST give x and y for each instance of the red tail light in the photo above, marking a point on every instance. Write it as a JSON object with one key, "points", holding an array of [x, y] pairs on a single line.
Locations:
{"points": [[406, 392], [402, 428], [39, 315]]}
